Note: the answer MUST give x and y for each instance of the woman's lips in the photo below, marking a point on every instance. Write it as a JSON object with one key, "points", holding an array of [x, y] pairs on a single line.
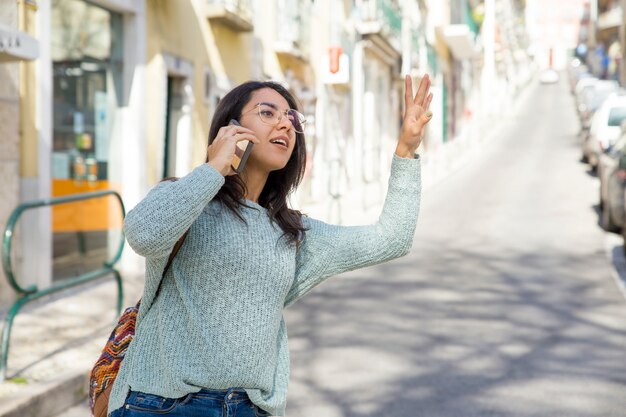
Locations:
{"points": [[283, 143]]}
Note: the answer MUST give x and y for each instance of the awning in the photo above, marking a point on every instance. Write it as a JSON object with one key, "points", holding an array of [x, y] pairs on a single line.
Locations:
{"points": [[17, 46], [460, 40]]}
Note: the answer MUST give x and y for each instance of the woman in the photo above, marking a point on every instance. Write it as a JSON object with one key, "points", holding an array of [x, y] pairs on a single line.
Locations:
{"points": [[210, 338]]}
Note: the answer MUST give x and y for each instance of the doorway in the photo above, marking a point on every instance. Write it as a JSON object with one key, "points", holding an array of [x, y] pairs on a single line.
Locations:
{"points": [[175, 112]]}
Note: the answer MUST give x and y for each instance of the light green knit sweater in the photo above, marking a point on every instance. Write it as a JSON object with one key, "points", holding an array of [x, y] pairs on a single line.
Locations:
{"points": [[217, 321]]}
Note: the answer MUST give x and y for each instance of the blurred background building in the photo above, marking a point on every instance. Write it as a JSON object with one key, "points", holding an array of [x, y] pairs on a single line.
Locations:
{"points": [[118, 94], [554, 27], [601, 38]]}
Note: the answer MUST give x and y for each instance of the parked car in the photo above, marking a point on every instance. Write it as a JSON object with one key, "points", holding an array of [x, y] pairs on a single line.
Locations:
{"points": [[605, 128], [549, 76], [576, 73], [581, 86], [612, 175], [593, 97]]}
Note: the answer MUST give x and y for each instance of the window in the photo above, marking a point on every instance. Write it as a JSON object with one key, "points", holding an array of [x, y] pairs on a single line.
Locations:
{"points": [[617, 116], [86, 49]]}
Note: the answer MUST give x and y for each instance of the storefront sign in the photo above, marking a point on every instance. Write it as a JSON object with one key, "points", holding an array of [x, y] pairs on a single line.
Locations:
{"points": [[17, 46], [335, 69]]}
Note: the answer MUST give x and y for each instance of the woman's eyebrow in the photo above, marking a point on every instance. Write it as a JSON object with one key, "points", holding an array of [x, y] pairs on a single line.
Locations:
{"points": [[272, 105]]}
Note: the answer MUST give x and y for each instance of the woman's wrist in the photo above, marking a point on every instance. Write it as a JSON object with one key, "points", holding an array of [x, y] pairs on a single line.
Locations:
{"points": [[404, 151], [217, 166]]}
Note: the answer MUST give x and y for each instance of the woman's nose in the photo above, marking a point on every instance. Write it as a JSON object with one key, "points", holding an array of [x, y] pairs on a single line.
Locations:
{"points": [[284, 123]]}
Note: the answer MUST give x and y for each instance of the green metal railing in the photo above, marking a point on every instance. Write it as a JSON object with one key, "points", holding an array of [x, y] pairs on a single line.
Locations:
{"points": [[32, 292]]}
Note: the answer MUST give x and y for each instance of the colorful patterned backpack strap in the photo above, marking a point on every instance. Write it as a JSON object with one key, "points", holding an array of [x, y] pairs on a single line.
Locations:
{"points": [[108, 364]]}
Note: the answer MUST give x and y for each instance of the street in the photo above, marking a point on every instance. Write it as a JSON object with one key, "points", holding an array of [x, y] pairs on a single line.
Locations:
{"points": [[505, 307]]}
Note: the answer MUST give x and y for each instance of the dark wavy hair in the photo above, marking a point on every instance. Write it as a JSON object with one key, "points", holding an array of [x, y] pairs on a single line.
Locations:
{"points": [[280, 183]]}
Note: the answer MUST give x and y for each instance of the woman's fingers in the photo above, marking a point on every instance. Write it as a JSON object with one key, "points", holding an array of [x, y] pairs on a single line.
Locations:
{"points": [[429, 99], [422, 91], [246, 136], [408, 91], [422, 98], [231, 130]]}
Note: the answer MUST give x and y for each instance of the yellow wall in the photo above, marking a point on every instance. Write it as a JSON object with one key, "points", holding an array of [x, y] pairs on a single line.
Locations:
{"points": [[180, 29], [28, 96], [233, 51]]}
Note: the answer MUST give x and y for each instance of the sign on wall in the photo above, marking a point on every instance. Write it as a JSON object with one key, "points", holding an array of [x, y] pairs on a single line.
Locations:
{"points": [[17, 46]]}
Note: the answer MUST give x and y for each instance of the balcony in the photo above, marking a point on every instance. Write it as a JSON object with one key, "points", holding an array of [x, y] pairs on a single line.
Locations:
{"points": [[235, 14], [381, 20], [610, 19], [606, 5], [461, 41], [293, 28]]}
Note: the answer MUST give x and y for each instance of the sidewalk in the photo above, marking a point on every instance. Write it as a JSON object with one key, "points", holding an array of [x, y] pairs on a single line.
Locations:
{"points": [[54, 344]]}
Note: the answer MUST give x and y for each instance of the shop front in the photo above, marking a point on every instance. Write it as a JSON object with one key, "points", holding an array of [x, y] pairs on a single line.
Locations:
{"points": [[87, 88]]}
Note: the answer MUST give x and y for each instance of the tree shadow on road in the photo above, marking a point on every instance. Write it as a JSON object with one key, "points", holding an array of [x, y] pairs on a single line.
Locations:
{"points": [[529, 334]]}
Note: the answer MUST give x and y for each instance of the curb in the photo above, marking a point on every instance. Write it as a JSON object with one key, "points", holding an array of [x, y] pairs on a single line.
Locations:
{"points": [[54, 346], [50, 398]]}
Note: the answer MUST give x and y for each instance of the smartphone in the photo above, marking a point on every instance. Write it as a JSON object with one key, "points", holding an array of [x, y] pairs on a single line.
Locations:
{"points": [[242, 151]]}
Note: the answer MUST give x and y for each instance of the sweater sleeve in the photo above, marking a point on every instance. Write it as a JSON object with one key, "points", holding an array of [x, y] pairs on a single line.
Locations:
{"points": [[160, 219], [328, 250]]}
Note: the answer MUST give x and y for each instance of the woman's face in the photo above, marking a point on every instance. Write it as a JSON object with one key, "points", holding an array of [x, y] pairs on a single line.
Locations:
{"points": [[276, 141]]}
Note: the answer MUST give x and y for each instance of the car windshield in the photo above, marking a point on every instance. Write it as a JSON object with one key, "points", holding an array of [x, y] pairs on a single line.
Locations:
{"points": [[617, 116], [598, 95], [598, 99]]}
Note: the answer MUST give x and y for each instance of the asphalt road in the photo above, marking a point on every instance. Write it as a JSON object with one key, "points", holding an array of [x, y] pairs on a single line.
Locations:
{"points": [[506, 305]]}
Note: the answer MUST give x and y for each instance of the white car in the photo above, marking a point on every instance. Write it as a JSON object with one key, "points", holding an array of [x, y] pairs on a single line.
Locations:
{"points": [[605, 128], [593, 97], [584, 84], [549, 76]]}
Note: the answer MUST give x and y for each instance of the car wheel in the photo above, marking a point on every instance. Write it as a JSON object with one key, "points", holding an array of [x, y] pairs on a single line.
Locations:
{"points": [[601, 202], [607, 221]]}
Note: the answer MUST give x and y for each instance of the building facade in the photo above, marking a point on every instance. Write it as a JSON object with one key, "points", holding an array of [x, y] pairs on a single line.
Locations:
{"points": [[18, 53], [76, 119], [553, 27]]}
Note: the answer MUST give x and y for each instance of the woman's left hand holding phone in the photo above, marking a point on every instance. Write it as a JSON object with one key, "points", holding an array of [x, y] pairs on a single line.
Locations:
{"points": [[220, 153]]}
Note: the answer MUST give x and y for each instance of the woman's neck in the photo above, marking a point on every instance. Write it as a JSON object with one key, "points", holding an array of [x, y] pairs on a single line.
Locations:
{"points": [[255, 182]]}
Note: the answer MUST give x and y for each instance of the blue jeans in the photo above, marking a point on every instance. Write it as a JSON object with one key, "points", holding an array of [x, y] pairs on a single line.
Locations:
{"points": [[206, 403]]}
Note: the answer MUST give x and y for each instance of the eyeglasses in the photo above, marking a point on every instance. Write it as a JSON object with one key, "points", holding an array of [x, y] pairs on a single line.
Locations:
{"points": [[270, 115]]}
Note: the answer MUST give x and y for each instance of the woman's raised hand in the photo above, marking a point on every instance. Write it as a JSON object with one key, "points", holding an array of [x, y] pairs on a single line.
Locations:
{"points": [[221, 151], [416, 116]]}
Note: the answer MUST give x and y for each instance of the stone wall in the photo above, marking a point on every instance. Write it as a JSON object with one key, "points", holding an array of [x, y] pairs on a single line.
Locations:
{"points": [[9, 140]]}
